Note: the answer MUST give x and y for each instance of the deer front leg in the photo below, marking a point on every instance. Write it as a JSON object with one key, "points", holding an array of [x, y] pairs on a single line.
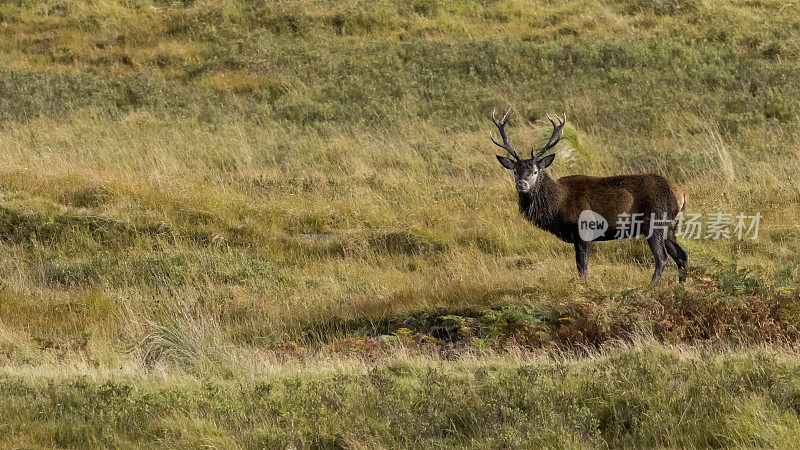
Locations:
{"points": [[582, 251]]}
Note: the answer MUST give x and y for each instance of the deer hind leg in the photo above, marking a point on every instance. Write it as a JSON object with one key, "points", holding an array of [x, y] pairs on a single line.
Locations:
{"points": [[678, 254], [659, 250], [583, 250]]}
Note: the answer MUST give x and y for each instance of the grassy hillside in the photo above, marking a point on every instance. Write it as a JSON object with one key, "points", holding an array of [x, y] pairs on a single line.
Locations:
{"points": [[643, 397], [198, 191]]}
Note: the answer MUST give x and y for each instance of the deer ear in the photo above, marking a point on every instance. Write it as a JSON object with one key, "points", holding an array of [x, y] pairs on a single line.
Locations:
{"points": [[546, 161], [506, 162]]}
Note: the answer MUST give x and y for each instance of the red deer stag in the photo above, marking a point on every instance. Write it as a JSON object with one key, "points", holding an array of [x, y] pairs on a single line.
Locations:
{"points": [[580, 209]]}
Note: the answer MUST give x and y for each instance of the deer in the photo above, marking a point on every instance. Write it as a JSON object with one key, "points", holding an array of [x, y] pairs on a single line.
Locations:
{"points": [[582, 209]]}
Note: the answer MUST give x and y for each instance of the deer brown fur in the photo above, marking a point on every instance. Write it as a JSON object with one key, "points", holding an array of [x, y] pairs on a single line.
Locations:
{"points": [[556, 205]]}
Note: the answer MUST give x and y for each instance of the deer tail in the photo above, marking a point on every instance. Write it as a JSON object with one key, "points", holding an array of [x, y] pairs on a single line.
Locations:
{"points": [[681, 197]]}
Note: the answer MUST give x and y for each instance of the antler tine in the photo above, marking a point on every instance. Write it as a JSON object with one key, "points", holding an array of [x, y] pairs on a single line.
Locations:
{"points": [[505, 116], [501, 128], [558, 131]]}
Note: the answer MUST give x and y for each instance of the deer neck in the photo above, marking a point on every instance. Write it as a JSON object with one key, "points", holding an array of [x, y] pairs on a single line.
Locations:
{"points": [[540, 204]]}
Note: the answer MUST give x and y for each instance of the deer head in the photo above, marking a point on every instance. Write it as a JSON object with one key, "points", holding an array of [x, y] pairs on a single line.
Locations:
{"points": [[526, 171]]}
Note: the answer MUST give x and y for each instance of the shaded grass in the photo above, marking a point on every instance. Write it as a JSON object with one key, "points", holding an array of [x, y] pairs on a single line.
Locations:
{"points": [[646, 395], [724, 304]]}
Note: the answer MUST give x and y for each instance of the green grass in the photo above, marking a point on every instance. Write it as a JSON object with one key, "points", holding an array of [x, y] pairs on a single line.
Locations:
{"points": [[645, 396], [189, 187]]}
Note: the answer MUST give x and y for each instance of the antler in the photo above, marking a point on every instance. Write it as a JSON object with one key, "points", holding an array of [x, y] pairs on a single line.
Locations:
{"points": [[501, 127], [557, 133]]}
